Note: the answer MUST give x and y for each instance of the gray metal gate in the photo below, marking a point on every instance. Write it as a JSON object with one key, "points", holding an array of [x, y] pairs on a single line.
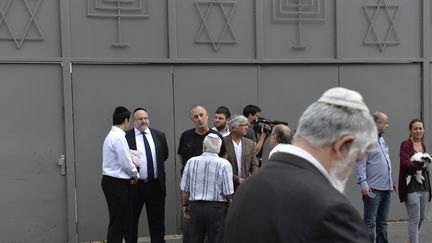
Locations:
{"points": [[33, 204], [64, 65]]}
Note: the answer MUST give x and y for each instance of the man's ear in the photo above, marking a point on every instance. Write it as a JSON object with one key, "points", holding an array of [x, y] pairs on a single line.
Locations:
{"points": [[204, 148], [341, 146]]}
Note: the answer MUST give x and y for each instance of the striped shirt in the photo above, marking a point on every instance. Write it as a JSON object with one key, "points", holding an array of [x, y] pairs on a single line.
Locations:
{"points": [[207, 178]]}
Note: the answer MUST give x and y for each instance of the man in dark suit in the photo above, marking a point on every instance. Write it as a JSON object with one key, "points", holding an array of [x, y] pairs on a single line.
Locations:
{"points": [[298, 195], [150, 189], [240, 150]]}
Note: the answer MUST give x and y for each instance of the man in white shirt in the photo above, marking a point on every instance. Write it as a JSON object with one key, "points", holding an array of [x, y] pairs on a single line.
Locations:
{"points": [[119, 172]]}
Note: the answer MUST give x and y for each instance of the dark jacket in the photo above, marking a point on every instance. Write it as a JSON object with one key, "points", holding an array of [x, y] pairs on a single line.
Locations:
{"points": [[289, 200], [161, 151]]}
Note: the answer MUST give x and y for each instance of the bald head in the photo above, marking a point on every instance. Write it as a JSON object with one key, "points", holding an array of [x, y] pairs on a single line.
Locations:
{"points": [[381, 120], [281, 134], [199, 117]]}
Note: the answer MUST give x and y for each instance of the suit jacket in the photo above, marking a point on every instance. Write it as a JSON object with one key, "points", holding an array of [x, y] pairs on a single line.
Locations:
{"points": [[161, 152], [249, 160], [290, 201]]}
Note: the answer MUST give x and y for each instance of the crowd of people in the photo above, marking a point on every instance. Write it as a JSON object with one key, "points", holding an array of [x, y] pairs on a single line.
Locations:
{"points": [[225, 186]]}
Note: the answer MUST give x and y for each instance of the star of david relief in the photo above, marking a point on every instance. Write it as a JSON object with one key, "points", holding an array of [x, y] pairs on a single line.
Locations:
{"points": [[373, 11], [207, 32], [118, 10], [31, 31], [299, 12]]}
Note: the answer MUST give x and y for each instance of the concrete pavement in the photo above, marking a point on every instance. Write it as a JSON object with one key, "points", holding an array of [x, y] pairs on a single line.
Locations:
{"points": [[397, 233]]}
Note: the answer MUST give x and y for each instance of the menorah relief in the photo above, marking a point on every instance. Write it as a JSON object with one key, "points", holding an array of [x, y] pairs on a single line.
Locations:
{"points": [[119, 10], [299, 12]]}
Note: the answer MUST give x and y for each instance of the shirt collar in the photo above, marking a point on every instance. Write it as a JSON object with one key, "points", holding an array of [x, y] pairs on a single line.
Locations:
{"points": [[116, 129], [291, 149], [138, 132]]}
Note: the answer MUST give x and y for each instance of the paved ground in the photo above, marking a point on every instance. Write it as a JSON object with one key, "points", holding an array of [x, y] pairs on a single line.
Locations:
{"points": [[397, 233]]}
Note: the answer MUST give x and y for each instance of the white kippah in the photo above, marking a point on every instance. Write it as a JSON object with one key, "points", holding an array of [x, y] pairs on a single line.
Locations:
{"points": [[212, 143], [213, 136], [344, 97]]}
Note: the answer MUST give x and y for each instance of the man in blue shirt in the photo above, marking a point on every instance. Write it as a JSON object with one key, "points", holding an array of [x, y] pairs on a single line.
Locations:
{"points": [[374, 175]]}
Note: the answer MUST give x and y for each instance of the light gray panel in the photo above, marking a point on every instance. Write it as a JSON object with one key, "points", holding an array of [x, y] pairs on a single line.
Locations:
{"points": [[239, 29], [287, 90], [144, 37], [282, 25], [407, 27], [394, 89], [233, 86], [33, 204], [97, 90], [22, 35]]}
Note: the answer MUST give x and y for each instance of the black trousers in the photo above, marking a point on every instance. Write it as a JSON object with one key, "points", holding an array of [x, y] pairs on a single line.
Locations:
{"points": [[206, 217], [149, 194], [116, 193]]}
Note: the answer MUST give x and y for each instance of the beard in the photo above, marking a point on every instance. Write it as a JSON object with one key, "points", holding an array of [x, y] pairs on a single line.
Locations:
{"points": [[221, 126], [340, 173]]}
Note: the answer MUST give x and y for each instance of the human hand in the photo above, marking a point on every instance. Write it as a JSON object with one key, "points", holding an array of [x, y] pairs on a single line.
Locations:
{"points": [[365, 191], [264, 128], [186, 212], [133, 181]]}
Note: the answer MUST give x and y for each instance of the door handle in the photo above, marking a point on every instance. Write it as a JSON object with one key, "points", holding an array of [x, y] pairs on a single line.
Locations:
{"points": [[61, 163]]}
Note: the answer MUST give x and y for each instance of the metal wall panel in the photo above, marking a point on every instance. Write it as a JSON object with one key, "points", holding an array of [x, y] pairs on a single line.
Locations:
{"points": [[224, 30], [33, 204], [30, 28], [97, 90], [287, 90], [390, 30], [294, 32], [395, 90], [233, 86], [129, 30]]}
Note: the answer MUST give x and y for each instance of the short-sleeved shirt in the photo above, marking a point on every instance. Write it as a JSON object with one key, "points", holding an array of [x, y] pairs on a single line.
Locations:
{"points": [[207, 178], [251, 134], [191, 144]]}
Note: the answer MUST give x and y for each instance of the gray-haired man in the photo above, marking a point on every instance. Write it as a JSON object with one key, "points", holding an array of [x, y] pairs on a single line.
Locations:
{"points": [[206, 184], [240, 150], [298, 195]]}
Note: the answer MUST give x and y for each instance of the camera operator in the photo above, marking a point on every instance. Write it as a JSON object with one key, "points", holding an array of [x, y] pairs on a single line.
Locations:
{"points": [[252, 113]]}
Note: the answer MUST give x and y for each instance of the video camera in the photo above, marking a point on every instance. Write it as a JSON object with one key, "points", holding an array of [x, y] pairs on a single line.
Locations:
{"points": [[261, 121]]}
